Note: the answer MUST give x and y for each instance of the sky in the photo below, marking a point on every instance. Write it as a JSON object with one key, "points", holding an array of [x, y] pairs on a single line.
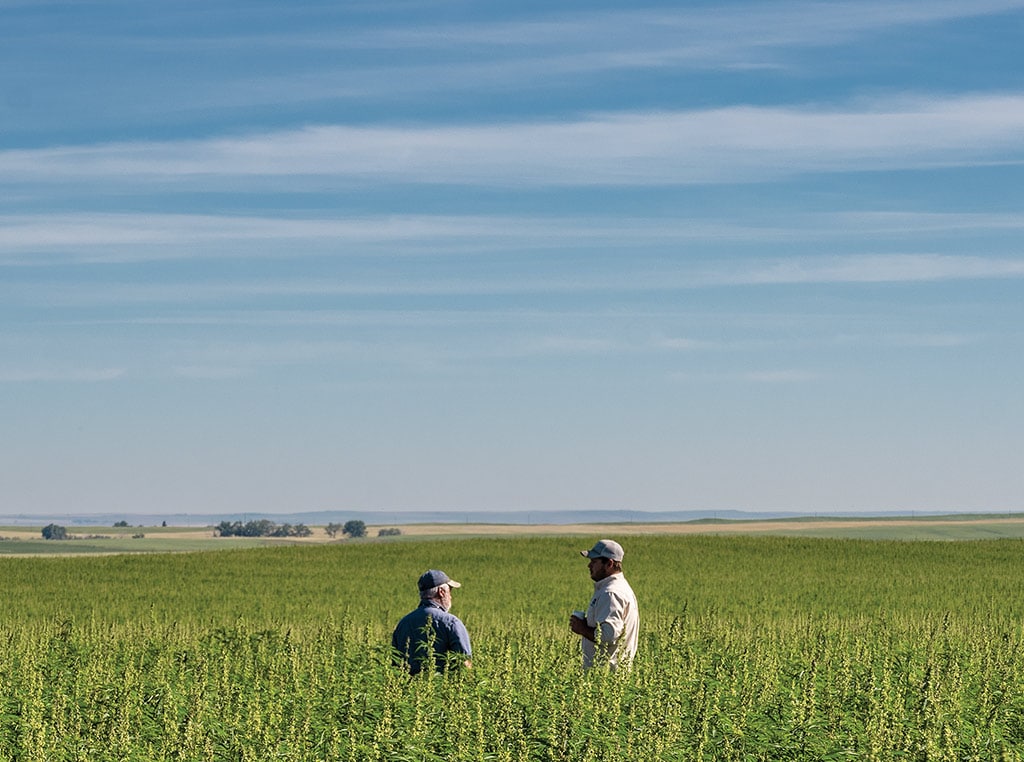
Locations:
{"points": [[391, 255]]}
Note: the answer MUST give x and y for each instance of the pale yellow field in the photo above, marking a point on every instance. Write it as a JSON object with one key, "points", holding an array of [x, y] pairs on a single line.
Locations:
{"points": [[730, 527]]}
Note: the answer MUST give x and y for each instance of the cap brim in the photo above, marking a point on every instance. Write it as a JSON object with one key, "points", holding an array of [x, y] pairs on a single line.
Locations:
{"points": [[453, 583]]}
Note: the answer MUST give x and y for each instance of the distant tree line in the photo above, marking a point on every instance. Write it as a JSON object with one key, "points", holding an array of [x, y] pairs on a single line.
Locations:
{"points": [[261, 528], [355, 529], [57, 532]]}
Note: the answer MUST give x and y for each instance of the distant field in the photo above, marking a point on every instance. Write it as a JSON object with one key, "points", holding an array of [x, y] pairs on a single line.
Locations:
{"points": [[87, 540], [960, 527]]}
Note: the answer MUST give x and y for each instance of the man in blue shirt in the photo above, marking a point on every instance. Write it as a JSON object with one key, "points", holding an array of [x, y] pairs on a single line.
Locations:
{"points": [[430, 631]]}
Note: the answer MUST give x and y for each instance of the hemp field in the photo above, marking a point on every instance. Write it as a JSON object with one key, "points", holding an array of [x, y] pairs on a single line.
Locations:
{"points": [[752, 648]]}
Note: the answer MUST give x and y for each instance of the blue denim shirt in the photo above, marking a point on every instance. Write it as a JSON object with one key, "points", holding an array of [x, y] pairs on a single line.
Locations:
{"points": [[412, 636]]}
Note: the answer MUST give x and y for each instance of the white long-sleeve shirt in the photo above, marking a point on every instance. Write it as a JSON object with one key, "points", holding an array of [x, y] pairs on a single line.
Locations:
{"points": [[615, 617]]}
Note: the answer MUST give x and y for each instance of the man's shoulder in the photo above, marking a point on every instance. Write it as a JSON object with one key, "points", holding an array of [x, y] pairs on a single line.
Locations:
{"points": [[619, 585], [445, 617], [417, 616], [420, 615]]}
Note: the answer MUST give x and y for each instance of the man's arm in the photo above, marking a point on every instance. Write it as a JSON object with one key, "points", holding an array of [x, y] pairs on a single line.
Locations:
{"points": [[581, 628], [608, 613], [460, 642], [399, 649]]}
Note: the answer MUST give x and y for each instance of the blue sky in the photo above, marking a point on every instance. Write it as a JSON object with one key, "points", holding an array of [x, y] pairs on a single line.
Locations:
{"points": [[451, 255]]}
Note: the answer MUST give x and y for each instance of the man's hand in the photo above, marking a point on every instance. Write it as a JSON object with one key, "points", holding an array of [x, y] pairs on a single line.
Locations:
{"points": [[581, 628]]}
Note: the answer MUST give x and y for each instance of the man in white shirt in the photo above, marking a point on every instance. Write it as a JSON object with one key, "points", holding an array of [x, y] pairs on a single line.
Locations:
{"points": [[610, 627]]}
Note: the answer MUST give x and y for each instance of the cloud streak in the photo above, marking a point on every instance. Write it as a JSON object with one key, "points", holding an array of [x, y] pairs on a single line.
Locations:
{"points": [[722, 145], [823, 270], [393, 56], [77, 375], [892, 268], [136, 237]]}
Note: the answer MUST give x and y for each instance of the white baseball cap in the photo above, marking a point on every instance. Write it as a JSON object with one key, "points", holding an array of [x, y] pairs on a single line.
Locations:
{"points": [[605, 549]]}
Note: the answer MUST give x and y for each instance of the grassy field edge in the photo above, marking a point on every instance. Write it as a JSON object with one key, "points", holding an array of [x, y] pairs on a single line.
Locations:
{"points": [[91, 540]]}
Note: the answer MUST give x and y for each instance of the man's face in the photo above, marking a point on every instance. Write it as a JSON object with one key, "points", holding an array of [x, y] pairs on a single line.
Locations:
{"points": [[444, 595], [599, 568]]}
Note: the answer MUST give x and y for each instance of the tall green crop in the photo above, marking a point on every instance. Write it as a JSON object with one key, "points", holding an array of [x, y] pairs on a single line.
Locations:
{"points": [[751, 648]]}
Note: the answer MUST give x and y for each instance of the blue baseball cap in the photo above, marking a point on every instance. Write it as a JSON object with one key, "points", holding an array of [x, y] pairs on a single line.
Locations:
{"points": [[434, 578]]}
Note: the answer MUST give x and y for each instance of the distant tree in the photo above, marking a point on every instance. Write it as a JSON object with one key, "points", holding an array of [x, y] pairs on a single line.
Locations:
{"points": [[260, 528], [392, 532], [228, 529], [163, 523], [284, 530], [55, 532], [301, 530], [355, 528], [121, 524], [332, 529]]}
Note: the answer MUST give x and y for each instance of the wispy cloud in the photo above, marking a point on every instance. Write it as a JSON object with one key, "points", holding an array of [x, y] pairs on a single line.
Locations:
{"points": [[119, 237], [210, 372], [747, 23], [253, 353], [745, 35], [771, 376], [903, 222], [564, 344], [71, 375], [867, 269], [890, 268], [681, 344], [56, 238], [945, 340], [783, 376], [735, 144], [105, 237], [396, 56]]}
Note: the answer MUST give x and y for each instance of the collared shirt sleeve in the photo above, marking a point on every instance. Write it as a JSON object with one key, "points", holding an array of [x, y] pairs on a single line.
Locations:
{"points": [[609, 615], [457, 637]]}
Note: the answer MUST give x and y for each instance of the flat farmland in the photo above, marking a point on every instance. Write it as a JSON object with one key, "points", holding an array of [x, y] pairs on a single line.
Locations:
{"points": [[753, 647], [90, 540], [960, 527]]}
